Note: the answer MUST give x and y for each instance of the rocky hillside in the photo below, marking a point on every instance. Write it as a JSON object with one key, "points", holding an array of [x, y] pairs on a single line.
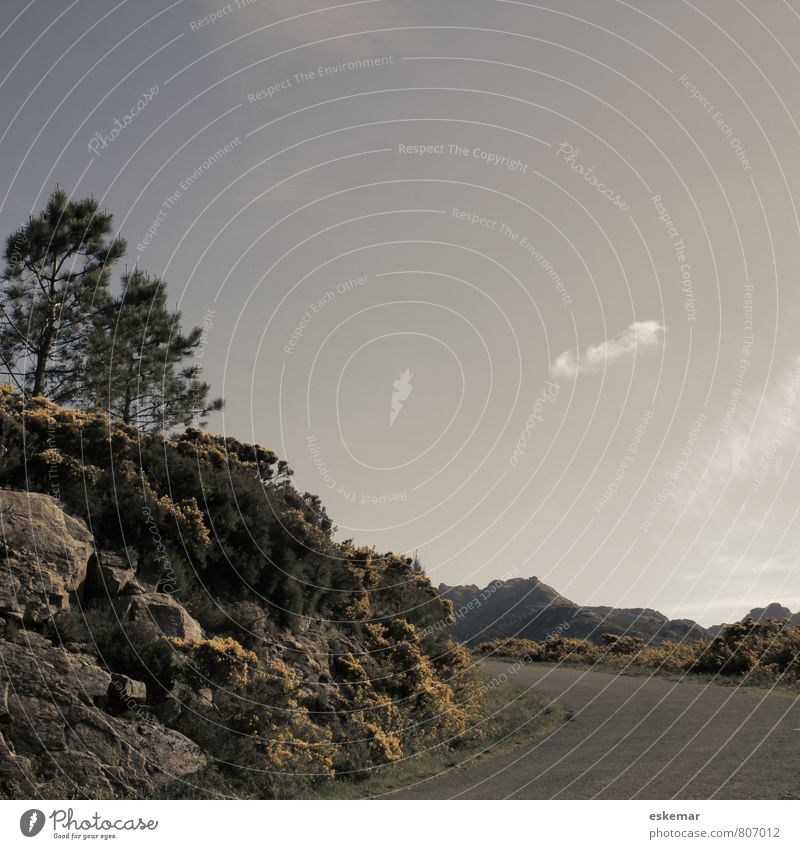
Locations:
{"points": [[176, 620], [62, 711], [529, 609]]}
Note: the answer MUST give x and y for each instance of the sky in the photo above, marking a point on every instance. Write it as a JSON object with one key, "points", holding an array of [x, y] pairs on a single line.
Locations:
{"points": [[510, 284]]}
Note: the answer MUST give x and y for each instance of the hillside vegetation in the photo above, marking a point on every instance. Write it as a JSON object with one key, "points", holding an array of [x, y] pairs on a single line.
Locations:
{"points": [[217, 592]]}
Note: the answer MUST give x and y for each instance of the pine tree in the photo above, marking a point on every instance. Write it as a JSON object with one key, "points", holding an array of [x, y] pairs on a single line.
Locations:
{"points": [[136, 365], [55, 281]]}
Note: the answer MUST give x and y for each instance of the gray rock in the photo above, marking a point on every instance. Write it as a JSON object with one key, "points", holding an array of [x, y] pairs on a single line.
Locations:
{"points": [[46, 555], [165, 614], [108, 576], [14, 769], [51, 727], [4, 694], [127, 690]]}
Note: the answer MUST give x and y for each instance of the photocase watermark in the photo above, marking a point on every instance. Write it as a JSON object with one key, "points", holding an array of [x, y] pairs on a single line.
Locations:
{"points": [[199, 353], [171, 201], [548, 395], [218, 14], [667, 491], [467, 607], [133, 705], [744, 359], [167, 583], [317, 306], [679, 248], [65, 820], [626, 462], [344, 492], [401, 391], [53, 467], [318, 73], [498, 680], [503, 229], [532, 250], [20, 244], [205, 328], [32, 822], [503, 678], [102, 141], [364, 498], [786, 421], [569, 154], [488, 157], [717, 117]]}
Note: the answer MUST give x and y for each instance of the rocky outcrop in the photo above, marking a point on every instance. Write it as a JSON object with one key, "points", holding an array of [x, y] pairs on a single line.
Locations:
{"points": [[61, 715], [166, 615], [126, 690], [44, 555], [109, 575], [52, 724]]}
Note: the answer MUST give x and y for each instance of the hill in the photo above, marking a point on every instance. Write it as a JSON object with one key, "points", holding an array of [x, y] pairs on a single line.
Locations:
{"points": [[176, 619], [529, 609]]}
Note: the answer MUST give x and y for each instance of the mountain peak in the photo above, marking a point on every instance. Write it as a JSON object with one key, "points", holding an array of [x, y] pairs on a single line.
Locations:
{"points": [[528, 608], [771, 611]]}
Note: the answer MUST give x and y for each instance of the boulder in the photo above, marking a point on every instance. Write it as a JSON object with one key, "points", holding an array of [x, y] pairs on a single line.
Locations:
{"points": [[44, 554], [127, 690], [108, 575], [165, 614], [51, 727]]}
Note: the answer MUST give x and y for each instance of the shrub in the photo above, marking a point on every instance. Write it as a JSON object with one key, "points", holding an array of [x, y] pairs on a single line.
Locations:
{"points": [[753, 647], [254, 560], [758, 652], [219, 662]]}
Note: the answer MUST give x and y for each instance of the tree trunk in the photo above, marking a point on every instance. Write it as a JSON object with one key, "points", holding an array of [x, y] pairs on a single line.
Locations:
{"points": [[42, 355], [49, 331]]}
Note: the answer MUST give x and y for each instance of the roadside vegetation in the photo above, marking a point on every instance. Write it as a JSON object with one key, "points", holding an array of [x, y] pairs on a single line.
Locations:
{"points": [[752, 652], [514, 715]]}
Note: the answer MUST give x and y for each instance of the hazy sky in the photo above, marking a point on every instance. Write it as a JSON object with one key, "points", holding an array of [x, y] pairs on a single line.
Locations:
{"points": [[512, 285]]}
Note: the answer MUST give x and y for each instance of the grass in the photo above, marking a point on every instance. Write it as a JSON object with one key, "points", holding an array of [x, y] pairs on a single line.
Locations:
{"points": [[515, 715]]}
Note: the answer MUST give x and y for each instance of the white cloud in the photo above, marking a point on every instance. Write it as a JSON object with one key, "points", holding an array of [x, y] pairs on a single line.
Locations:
{"points": [[760, 442], [641, 335]]}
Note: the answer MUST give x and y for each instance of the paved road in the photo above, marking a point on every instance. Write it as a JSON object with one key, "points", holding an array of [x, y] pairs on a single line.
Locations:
{"points": [[644, 738]]}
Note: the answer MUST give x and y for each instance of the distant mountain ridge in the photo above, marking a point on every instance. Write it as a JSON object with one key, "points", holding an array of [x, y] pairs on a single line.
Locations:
{"points": [[528, 608], [771, 611]]}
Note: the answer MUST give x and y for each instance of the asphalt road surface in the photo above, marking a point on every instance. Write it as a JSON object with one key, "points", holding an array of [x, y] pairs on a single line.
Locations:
{"points": [[639, 738]]}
